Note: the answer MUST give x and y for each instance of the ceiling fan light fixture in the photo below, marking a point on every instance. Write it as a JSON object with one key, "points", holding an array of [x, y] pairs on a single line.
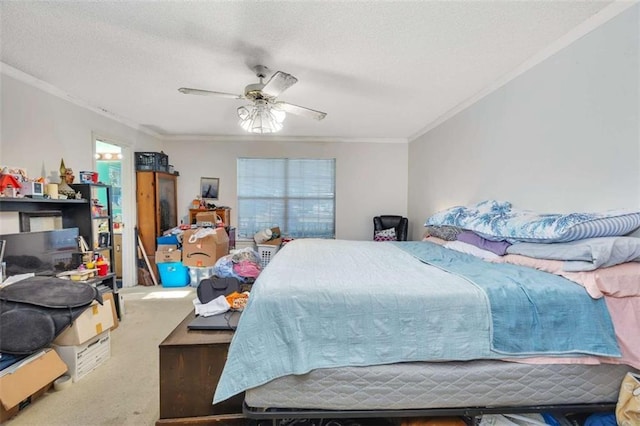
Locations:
{"points": [[261, 118], [266, 114], [243, 113]]}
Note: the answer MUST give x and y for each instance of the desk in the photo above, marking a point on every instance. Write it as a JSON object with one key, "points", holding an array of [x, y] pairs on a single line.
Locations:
{"points": [[191, 363], [224, 213]]}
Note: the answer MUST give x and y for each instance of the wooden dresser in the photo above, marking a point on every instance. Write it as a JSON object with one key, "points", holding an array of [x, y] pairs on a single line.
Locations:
{"points": [[191, 363]]}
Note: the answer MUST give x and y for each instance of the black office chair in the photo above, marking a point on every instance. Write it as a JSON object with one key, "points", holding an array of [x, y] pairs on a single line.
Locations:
{"points": [[400, 223]]}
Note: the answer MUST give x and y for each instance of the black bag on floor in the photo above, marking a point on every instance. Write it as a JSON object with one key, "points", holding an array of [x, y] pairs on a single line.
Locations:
{"points": [[34, 311]]}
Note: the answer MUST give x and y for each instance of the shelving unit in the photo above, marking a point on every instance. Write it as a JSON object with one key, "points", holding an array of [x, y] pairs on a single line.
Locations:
{"points": [[78, 214], [96, 223]]}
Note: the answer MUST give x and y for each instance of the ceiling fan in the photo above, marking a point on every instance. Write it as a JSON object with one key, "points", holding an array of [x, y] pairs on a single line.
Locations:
{"points": [[266, 113]]}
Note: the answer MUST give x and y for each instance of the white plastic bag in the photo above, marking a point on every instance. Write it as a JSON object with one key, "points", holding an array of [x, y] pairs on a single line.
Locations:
{"points": [[512, 420]]}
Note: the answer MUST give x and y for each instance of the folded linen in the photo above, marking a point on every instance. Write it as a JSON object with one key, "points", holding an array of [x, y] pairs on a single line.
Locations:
{"points": [[616, 281], [497, 247], [584, 255]]}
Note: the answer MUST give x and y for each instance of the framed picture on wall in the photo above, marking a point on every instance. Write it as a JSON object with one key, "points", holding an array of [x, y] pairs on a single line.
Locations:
{"points": [[209, 188]]}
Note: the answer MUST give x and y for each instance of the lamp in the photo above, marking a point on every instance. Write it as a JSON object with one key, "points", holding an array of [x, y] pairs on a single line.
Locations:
{"points": [[261, 117]]}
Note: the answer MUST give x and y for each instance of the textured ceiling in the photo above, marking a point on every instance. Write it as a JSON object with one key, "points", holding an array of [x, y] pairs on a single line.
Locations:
{"points": [[381, 70]]}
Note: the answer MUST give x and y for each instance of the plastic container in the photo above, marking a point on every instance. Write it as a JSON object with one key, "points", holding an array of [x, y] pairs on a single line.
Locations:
{"points": [[266, 252], [167, 239], [152, 161], [103, 268], [198, 273], [173, 274]]}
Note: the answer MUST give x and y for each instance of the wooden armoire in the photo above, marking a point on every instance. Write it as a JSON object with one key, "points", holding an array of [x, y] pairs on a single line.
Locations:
{"points": [[156, 201]]}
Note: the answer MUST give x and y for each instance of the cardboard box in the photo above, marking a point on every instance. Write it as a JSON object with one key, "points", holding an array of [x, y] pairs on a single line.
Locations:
{"points": [[83, 359], [24, 382], [275, 241], [114, 313], [164, 256], [206, 218], [167, 247], [93, 321], [204, 251]]}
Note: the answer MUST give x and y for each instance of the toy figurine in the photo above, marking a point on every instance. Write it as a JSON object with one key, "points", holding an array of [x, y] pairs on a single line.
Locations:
{"points": [[66, 178]]}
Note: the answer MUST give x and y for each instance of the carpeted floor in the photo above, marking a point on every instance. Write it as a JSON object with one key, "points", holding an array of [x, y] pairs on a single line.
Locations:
{"points": [[124, 390]]}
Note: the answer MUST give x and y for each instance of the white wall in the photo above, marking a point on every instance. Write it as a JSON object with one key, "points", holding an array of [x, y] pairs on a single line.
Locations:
{"points": [[564, 136], [371, 178], [38, 129]]}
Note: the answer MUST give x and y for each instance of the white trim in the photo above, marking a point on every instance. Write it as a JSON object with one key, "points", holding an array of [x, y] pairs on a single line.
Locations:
{"points": [[609, 12], [53, 90], [129, 206], [257, 138]]}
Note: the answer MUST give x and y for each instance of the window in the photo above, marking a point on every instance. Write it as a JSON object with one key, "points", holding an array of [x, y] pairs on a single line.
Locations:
{"points": [[297, 195]]}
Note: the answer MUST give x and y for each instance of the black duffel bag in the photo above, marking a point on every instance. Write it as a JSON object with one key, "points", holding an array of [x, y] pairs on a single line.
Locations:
{"points": [[34, 311]]}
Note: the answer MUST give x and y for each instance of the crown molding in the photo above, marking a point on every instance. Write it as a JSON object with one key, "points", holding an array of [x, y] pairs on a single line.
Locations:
{"points": [[603, 16], [55, 91], [259, 138]]}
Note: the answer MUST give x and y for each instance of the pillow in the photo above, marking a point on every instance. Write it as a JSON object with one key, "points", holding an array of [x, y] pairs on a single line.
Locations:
{"points": [[497, 247], [497, 221], [584, 255], [385, 235], [447, 233]]}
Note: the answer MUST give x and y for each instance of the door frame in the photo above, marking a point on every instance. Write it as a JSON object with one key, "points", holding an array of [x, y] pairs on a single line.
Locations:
{"points": [[129, 263]]}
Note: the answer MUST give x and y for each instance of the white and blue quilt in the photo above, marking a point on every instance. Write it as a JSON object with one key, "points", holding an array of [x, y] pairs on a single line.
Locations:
{"points": [[334, 303], [498, 221]]}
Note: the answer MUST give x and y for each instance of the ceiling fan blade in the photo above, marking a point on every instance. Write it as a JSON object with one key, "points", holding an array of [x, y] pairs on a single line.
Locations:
{"points": [[278, 83], [189, 91], [298, 110]]}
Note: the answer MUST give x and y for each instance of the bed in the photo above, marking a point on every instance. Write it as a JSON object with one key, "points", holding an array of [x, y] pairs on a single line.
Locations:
{"points": [[339, 328]]}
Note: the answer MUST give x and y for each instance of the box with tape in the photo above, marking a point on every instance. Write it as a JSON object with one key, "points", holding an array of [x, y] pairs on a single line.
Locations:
{"points": [[93, 321]]}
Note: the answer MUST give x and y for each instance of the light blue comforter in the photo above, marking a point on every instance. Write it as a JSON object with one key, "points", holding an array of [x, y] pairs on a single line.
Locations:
{"points": [[532, 312], [332, 303]]}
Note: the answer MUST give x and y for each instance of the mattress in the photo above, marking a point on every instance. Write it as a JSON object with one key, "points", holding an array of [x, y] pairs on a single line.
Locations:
{"points": [[337, 303], [420, 385]]}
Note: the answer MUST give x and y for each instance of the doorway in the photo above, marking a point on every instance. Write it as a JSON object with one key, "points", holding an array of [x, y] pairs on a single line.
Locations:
{"points": [[112, 163]]}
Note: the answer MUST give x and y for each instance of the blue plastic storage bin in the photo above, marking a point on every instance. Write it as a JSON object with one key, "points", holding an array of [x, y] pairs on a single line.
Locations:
{"points": [[173, 274], [167, 239]]}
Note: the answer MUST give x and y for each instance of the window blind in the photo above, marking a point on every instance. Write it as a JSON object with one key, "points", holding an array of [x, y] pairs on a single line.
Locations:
{"points": [[297, 195]]}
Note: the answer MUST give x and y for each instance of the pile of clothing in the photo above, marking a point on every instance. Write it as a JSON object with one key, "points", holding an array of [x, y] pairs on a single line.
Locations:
{"points": [[243, 264], [228, 289]]}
